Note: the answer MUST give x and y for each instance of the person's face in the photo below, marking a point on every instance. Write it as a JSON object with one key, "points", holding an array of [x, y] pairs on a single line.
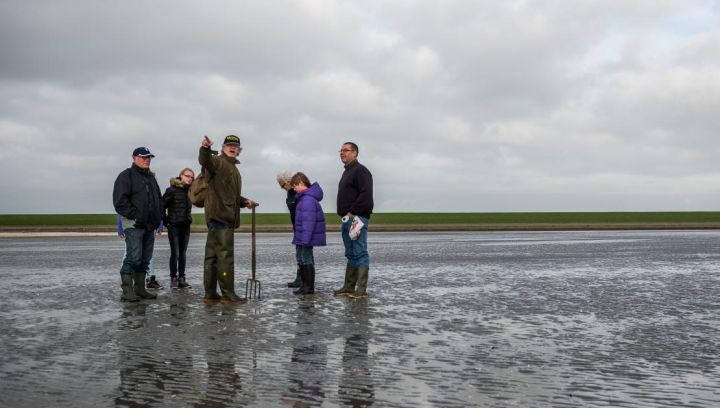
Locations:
{"points": [[285, 186], [299, 187], [347, 154], [142, 162], [231, 150], [187, 177]]}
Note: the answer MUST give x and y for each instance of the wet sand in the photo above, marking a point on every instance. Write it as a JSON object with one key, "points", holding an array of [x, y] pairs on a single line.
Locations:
{"points": [[593, 318]]}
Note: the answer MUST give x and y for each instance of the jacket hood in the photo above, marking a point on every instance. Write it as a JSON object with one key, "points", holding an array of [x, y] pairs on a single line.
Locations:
{"points": [[314, 191], [176, 182]]}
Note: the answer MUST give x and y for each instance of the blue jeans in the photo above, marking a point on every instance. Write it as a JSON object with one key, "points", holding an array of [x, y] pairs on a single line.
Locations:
{"points": [[139, 245], [356, 251], [304, 255]]}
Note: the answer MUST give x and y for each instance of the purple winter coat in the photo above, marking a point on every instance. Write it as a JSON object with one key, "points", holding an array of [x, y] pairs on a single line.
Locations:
{"points": [[309, 218]]}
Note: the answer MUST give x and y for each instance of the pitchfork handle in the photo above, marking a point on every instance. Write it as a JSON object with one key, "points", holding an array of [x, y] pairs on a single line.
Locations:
{"points": [[253, 243]]}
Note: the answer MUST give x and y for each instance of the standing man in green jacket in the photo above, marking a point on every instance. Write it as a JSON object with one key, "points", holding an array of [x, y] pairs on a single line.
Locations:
{"points": [[222, 214]]}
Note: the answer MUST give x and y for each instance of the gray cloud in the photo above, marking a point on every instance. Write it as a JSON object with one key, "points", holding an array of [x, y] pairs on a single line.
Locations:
{"points": [[457, 106]]}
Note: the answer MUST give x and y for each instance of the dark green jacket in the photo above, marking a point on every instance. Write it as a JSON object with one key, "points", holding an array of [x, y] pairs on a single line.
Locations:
{"points": [[223, 200]]}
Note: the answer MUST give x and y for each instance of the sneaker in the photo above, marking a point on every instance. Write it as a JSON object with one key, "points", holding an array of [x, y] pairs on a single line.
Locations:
{"points": [[151, 283], [173, 282], [182, 283]]}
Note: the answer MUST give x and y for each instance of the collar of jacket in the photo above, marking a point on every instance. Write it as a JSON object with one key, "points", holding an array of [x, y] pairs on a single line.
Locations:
{"points": [[143, 171], [175, 181], [352, 163], [230, 159]]}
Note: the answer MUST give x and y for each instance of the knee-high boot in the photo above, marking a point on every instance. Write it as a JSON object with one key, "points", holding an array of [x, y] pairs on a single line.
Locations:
{"points": [[298, 279], [361, 290], [210, 277], [350, 280], [127, 288], [139, 286], [303, 280], [226, 268], [308, 285]]}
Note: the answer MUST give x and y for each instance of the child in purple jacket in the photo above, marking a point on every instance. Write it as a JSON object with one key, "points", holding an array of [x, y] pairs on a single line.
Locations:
{"points": [[309, 228]]}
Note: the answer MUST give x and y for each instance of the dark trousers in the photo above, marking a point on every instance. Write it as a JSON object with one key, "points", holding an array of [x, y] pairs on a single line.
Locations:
{"points": [[139, 245], [179, 236]]}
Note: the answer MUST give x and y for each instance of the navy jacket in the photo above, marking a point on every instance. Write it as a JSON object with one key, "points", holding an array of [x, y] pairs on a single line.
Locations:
{"points": [[309, 218], [291, 202], [355, 191], [136, 196]]}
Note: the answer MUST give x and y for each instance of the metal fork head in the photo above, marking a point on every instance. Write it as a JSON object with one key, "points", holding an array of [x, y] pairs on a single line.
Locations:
{"points": [[253, 289]]}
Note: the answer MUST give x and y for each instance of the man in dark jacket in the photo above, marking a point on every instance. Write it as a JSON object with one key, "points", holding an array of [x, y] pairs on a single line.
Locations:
{"points": [[355, 205], [222, 214], [136, 197]]}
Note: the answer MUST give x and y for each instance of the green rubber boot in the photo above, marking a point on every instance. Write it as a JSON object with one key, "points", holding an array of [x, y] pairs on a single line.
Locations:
{"points": [[210, 278], [361, 290], [127, 288], [139, 286], [227, 289], [350, 280]]}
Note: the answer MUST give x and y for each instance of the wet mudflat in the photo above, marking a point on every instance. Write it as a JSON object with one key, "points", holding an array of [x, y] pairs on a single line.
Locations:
{"points": [[627, 318]]}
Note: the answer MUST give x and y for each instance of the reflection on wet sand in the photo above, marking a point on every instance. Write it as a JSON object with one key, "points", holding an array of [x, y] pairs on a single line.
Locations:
{"points": [[356, 387], [308, 361], [614, 318]]}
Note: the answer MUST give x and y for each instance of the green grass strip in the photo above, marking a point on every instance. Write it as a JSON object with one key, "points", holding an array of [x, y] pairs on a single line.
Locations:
{"points": [[38, 220]]}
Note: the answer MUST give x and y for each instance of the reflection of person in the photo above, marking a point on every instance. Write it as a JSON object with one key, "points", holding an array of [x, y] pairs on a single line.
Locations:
{"points": [[177, 210], [308, 361], [356, 387], [150, 281], [284, 180], [354, 199], [222, 214], [136, 197], [309, 228]]}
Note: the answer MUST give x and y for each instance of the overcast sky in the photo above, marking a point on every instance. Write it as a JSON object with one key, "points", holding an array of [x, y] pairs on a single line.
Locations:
{"points": [[456, 105]]}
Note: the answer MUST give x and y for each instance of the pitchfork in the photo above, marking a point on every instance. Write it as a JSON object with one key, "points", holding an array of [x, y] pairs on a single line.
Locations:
{"points": [[252, 286]]}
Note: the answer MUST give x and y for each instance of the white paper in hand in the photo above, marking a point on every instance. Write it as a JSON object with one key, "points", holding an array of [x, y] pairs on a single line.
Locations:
{"points": [[355, 228]]}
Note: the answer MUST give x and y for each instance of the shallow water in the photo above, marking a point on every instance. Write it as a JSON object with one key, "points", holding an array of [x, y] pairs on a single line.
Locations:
{"points": [[571, 319]]}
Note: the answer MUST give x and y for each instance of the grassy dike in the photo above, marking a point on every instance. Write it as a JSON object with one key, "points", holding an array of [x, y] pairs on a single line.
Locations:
{"points": [[279, 222]]}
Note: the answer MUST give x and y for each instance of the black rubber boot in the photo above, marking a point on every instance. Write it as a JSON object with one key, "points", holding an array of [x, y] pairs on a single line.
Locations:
{"points": [[127, 288], [311, 279], [139, 286], [361, 290], [298, 279], [303, 280], [350, 280], [308, 281]]}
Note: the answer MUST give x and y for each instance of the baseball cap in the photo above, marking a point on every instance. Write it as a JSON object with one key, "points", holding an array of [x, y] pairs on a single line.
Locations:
{"points": [[232, 140], [142, 152]]}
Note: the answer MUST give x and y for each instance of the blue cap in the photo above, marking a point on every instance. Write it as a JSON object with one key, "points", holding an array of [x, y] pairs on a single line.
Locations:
{"points": [[142, 152]]}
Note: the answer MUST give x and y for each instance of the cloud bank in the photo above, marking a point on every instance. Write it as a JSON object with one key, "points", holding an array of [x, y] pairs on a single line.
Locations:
{"points": [[456, 105]]}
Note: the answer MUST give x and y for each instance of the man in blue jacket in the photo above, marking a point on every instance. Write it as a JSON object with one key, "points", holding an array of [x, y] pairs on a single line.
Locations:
{"points": [[137, 198], [355, 203]]}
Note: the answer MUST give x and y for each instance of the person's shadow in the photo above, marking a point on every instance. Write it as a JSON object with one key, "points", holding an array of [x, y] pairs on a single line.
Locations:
{"points": [[309, 358], [356, 387]]}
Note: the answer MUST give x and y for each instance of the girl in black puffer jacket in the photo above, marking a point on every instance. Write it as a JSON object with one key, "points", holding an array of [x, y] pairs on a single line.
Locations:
{"points": [[177, 219]]}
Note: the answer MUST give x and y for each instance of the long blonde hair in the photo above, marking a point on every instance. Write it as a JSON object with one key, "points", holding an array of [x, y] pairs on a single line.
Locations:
{"points": [[184, 170]]}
